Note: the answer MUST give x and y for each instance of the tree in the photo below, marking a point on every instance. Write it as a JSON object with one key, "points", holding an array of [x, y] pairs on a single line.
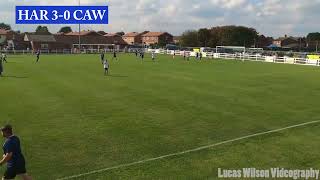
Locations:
{"points": [[5, 26], [120, 33], [162, 42], [190, 39], [313, 36], [213, 39], [224, 36], [313, 41], [234, 36], [203, 37], [65, 29], [42, 30]]}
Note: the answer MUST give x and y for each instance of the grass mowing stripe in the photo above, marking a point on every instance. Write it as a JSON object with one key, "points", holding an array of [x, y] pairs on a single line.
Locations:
{"points": [[188, 151]]}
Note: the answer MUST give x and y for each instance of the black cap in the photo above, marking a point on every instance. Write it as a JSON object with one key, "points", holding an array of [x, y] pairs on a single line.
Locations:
{"points": [[7, 127]]}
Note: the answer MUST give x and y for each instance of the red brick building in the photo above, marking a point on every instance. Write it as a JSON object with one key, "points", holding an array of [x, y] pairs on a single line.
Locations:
{"points": [[133, 38], [63, 41], [116, 40], [89, 40], [42, 42], [12, 40], [290, 42], [157, 38]]}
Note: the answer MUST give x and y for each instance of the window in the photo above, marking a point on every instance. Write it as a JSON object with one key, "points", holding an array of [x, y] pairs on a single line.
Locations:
{"points": [[44, 46], [2, 38]]}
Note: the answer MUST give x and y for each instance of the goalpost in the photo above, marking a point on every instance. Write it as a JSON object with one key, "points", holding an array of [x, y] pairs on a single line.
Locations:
{"points": [[230, 49], [230, 52]]}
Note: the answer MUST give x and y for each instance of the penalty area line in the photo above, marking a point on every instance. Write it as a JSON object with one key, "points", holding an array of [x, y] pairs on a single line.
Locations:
{"points": [[187, 151]]}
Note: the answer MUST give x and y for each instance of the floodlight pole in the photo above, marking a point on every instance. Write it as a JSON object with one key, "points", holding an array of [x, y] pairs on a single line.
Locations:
{"points": [[79, 34]]}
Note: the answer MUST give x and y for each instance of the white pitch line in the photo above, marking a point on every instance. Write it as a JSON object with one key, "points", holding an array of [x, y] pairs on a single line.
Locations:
{"points": [[187, 151]]}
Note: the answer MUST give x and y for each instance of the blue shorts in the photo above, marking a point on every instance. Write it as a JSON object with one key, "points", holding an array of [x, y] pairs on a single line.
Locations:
{"points": [[12, 172]]}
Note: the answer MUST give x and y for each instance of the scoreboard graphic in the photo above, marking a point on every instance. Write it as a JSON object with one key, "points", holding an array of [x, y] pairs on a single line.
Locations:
{"points": [[62, 15]]}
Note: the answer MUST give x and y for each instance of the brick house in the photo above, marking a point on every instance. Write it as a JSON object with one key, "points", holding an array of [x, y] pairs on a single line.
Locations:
{"points": [[41, 41], [116, 39], [176, 39], [88, 40], [290, 42], [68, 41], [12, 40], [157, 38], [313, 45], [4, 36], [133, 38]]}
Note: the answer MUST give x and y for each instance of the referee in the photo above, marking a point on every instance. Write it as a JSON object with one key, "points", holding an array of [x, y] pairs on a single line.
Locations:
{"points": [[13, 156]]}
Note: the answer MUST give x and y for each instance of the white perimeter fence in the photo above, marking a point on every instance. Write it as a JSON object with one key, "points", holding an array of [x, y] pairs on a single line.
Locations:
{"points": [[210, 55], [243, 57], [62, 51]]}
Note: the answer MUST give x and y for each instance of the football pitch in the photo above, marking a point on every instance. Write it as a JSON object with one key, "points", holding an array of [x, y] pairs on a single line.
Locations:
{"points": [[73, 120]]}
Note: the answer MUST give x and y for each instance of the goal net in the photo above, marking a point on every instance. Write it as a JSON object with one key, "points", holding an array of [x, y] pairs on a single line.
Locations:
{"points": [[230, 49]]}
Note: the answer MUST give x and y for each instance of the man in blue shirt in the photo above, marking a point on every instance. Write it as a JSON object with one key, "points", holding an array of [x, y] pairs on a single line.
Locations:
{"points": [[114, 55], [102, 57], [13, 156]]}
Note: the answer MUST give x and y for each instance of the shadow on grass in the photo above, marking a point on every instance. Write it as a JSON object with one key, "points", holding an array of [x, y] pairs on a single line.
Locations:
{"points": [[150, 61], [18, 77], [118, 76], [9, 62]]}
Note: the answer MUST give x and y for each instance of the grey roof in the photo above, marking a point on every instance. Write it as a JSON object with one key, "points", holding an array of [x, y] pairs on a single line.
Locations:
{"points": [[40, 38], [290, 37]]}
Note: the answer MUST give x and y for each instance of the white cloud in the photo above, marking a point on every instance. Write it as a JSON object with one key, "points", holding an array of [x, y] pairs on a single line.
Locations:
{"points": [[270, 17], [229, 4]]}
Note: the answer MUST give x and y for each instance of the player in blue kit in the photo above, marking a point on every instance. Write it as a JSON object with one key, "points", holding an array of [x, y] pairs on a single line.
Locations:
{"points": [[13, 157], [136, 52], [114, 55], [38, 56], [102, 57]]}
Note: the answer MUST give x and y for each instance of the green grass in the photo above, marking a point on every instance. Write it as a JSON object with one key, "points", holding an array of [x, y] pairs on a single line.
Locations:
{"points": [[72, 119]]}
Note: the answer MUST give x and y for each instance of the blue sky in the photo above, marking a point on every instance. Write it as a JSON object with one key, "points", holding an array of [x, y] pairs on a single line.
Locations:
{"points": [[270, 17]]}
